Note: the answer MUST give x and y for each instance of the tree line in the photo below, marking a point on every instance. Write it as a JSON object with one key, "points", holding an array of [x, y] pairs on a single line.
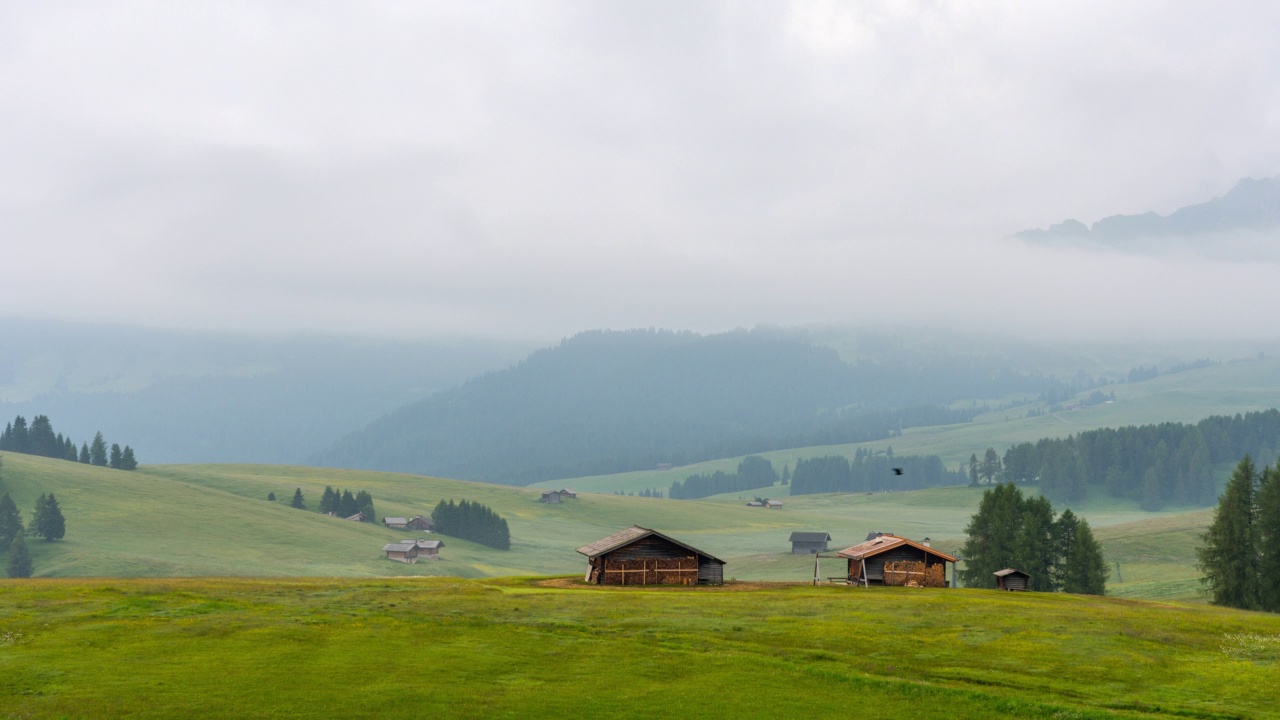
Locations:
{"points": [[1240, 552], [869, 472], [472, 521], [1022, 533], [40, 439], [47, 522], [341, 503], [753, 472], [1166, 463]]}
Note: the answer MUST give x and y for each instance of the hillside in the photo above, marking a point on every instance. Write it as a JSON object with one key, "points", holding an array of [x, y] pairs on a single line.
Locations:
{"points": [[616, 401], [1188, 397], [199, 520], [537, 648]]}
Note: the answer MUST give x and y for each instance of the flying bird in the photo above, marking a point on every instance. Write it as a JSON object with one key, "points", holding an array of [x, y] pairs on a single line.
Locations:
{"points": [[897, 471]]}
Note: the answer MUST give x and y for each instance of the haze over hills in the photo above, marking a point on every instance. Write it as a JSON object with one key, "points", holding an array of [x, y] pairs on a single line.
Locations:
{"points": [[1249, 211]]}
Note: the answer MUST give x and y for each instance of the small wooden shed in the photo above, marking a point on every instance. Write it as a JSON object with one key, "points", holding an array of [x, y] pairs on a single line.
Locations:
{"points": [[1010, 579], [808, 543], [891, 560], [397, 523], [640, 556], [551, 496], [405, 552], [429, 549], [421, 522]]}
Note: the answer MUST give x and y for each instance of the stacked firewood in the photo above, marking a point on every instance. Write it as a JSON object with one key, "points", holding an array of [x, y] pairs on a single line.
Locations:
{"points": [[914, 573]]}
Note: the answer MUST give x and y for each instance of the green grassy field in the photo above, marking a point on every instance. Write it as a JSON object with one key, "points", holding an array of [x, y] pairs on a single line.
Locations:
{"points": [[1181, 397], [214, 520], [451, 648]]}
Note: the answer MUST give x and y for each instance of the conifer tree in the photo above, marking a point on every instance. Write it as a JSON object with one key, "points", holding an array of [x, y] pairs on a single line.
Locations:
{"points": [[992, 536], [84, 453], [329, 501], [48, 521], [114, 462], [364, 501], [1036, 548], [127, 459], [298, 501], [98, 451], [10, 522], [19, 559], [1083, 569], [1228, 556], [1269, 538], [271, 497], [347, 504]]}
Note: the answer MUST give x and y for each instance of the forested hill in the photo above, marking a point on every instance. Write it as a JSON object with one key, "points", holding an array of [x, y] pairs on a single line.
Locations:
{"points": [[604, 402]]}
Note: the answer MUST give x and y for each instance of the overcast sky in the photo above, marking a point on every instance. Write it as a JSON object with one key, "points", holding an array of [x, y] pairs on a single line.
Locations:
{"points": [[535, 169]]}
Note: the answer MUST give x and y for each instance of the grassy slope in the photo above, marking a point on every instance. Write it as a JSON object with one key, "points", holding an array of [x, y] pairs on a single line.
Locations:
{"points": [[519, 648], [1182, 397], [214, 520]]}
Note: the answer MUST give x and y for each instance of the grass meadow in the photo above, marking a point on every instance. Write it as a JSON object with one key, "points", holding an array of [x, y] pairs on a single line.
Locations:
{"points": [[528, 648], [214, 520]]}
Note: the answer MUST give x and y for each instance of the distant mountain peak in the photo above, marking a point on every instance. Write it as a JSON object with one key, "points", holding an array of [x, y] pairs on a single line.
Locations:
{"points": [[1252, 206]]}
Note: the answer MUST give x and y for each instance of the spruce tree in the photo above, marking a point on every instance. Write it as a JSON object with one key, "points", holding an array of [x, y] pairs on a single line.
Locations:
{"points": [[1269, 538], [84, 453], [298, 501], [98, 451], [19, 559], [1035, 551], [364, 501], [10, 522], [271, 497], [1228, 556], [127, 459], [48, 522], [329, 501], [1083, 569], [992, 533], [114, 462], [347, 504]]}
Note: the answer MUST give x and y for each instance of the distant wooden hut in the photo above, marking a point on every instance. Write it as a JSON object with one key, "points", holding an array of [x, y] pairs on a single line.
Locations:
{"points": [[566, 494], [405, 552], [397, 523], [773, 504], [808, 543], [640, 556], [429, 549], [421, 522], [890, 560], [1010, 579], [551, 496]]}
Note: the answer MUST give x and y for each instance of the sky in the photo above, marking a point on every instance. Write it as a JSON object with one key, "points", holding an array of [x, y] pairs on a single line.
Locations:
{"points": [[535, 169]]}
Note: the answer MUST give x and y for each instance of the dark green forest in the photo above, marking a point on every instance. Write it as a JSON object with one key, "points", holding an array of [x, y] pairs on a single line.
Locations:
{"points": [[870, 472], [604, 402], [1158, 465]]}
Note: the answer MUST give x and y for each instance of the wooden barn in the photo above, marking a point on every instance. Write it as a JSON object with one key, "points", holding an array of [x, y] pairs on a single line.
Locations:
{"points": [[429, 549], [891, 560], [405, 552], [397, 523], [1010, 579], [809, 543], [421, 522], [640, 556], [551, 496]]}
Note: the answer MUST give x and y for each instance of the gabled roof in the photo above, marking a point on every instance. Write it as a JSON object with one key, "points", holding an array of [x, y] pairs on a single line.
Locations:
{"points": [[810, 537], [405, 546], [1008, 571], [430, 544], [630, 535], [394, 521], [880, 544]]}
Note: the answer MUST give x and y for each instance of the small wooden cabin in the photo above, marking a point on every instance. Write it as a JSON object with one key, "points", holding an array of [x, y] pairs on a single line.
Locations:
{"points": [[421, 522], [890, 560], [773, 504], [551, 496], [397, 523], [429, 549], [640, 556], [809, 543], [405, 552], [1010, 579]]}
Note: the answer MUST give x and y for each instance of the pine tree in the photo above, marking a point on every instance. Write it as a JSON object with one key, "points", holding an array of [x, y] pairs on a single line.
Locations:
{"points": [[1269, 538], [1083, 569], [271, 497], [115, 456], [298, 501], [347, 504], [990, 466], [1228, 556], [127, 459], [48, 522], [1035, 551], [364, 501], [10, 522], [329, 501], [84, 453], [19, 559], [992, 533], [98, 451], [973, 469]]}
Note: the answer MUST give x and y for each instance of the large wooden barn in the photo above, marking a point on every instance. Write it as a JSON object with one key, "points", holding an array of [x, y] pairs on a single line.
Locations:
{"points": [[890, 560], [640, 556]]}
